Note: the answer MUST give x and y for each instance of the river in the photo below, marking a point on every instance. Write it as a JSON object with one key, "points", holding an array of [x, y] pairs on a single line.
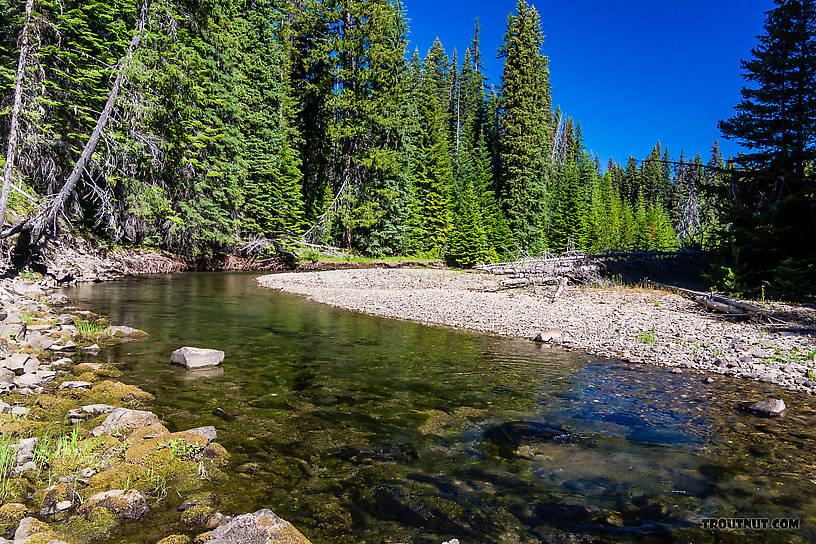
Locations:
{"points": [[370, 430]]}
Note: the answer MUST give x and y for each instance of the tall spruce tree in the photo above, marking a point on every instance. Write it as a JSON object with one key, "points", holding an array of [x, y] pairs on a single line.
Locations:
{"points": [[525, 128]]}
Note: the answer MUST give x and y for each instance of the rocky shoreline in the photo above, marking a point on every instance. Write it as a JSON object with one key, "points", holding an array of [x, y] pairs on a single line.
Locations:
{"points": [[80, 455], [633, 324]]}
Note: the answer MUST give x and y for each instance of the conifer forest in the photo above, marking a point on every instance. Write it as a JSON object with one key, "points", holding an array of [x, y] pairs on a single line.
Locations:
{"points": [[204, 127]]}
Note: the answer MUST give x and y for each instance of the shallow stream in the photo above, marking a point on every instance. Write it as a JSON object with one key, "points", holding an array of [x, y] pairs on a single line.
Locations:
{"points": [[370, 430]]}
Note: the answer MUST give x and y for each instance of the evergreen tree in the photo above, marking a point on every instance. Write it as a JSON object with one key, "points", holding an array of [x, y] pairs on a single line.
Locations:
{"points": [[525, 127]]}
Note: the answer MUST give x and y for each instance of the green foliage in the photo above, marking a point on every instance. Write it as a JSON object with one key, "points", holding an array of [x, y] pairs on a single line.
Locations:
{"points": [[90, 329]]}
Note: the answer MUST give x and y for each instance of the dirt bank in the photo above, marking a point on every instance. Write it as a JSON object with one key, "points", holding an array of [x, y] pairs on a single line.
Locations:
{"points": [[638, 325]]}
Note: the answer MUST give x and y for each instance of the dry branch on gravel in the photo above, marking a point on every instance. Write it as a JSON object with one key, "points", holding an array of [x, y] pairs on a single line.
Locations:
{"points": [[717, 302], [575, 268]]}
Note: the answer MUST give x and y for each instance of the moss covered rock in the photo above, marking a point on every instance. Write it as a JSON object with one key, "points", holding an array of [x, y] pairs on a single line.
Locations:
{"points": [[10, 516], [175, 539], [126, 504]]}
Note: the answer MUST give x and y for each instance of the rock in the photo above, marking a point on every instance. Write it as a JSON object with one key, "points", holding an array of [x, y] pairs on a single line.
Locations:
{"points": [[65, 319], [207, 432], [708, 380], [10, 515], [74, 385], [56, 299], [550, 335], [676, 371], [28, 466], [261, 527], [125, 419], [31, 365], [126, 504], [6, 376], [190, 357], [19, 411], [5, 408], [452, 541], [25, 450], [62, 362], [28, 527], [93, 348], [62, 506], [767, 408], [27, 380], [130, 332], [15, 331], [15, 363]]}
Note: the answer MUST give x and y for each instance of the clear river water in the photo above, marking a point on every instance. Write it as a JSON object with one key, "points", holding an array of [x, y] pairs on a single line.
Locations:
{"points": [[359, 429]]}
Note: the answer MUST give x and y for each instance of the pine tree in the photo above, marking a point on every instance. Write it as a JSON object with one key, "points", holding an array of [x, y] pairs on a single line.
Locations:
{"points": [[525, 127], [773, 222]]}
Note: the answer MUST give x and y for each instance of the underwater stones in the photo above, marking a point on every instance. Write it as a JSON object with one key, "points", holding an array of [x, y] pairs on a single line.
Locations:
{"points": [[121, 419], [550, 335], [261, 527], [128, 504], [509, 436], [767, 408], [191, 357]]}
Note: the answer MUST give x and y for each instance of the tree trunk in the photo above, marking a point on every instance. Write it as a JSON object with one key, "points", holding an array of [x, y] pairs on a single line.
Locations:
{"points": [[41, 221], [14, 130]]}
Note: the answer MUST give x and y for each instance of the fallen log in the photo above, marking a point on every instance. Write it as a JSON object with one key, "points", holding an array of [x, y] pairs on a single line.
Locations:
{"points": [[716, 302]]}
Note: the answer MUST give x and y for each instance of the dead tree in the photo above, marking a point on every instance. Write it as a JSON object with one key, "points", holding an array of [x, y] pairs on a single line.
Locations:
{"points": [[38, 223], [14, 130]]}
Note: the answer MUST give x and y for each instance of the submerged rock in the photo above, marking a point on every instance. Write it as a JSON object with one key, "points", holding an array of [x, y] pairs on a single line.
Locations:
{"points": [[190, 357], [207, 432], [509, 436], [767, 408], [261, 527]]}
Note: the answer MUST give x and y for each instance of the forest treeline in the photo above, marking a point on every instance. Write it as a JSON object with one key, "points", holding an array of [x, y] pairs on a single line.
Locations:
{"points": [[222, 123], [270, 119]]}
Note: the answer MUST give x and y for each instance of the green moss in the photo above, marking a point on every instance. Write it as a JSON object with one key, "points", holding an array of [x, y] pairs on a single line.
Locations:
{"points": [[175, 539], [202, 538], [110, 392], [10, 516], [199, 514], [92, 525]]}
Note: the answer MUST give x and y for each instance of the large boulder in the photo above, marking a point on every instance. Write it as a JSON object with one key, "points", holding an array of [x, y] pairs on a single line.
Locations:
{"points": [[261, 527], [128, 504], [196, 357], [124, 419]]}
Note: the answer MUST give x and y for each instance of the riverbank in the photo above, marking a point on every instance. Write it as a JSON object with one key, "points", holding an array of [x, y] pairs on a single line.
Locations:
{"points": [[81, 455], [637, 325]]}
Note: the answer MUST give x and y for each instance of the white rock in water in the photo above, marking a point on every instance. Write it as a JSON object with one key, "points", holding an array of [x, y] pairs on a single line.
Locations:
{"points": [[768, 408], [196, 357], [551, 335]]}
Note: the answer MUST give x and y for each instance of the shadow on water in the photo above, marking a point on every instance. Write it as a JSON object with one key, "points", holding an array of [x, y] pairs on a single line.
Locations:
{"points": [[373, 430]]}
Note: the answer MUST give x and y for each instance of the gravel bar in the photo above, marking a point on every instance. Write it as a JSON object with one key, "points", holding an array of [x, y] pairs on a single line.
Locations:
{"points": [[633, 324]]}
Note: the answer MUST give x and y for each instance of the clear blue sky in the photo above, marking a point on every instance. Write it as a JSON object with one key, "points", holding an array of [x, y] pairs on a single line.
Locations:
{"points": [[631, 72]]}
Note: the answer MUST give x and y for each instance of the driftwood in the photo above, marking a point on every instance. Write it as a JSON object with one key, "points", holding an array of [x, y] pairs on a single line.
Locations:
{"points": [[14, 129], [562, 284], [716, 302]]}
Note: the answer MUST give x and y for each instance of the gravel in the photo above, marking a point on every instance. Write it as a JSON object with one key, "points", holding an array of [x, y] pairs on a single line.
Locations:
{"points": [[637, 325]]}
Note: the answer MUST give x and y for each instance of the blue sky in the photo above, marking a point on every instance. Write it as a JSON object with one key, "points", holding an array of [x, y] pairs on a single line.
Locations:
{"points": [[631, 72]]}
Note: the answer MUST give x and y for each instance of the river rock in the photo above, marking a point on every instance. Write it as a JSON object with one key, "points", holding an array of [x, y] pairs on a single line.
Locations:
{"points": [[125, 419], [6, 376], [15, 363], [57, 299], [767, 408], [93, 348], [5, 408], [25, 451], [207, 432], [16, 330], [550, 335], [74, 385], [130, 332], [197, 357], [126, 504], [261, 527]]}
